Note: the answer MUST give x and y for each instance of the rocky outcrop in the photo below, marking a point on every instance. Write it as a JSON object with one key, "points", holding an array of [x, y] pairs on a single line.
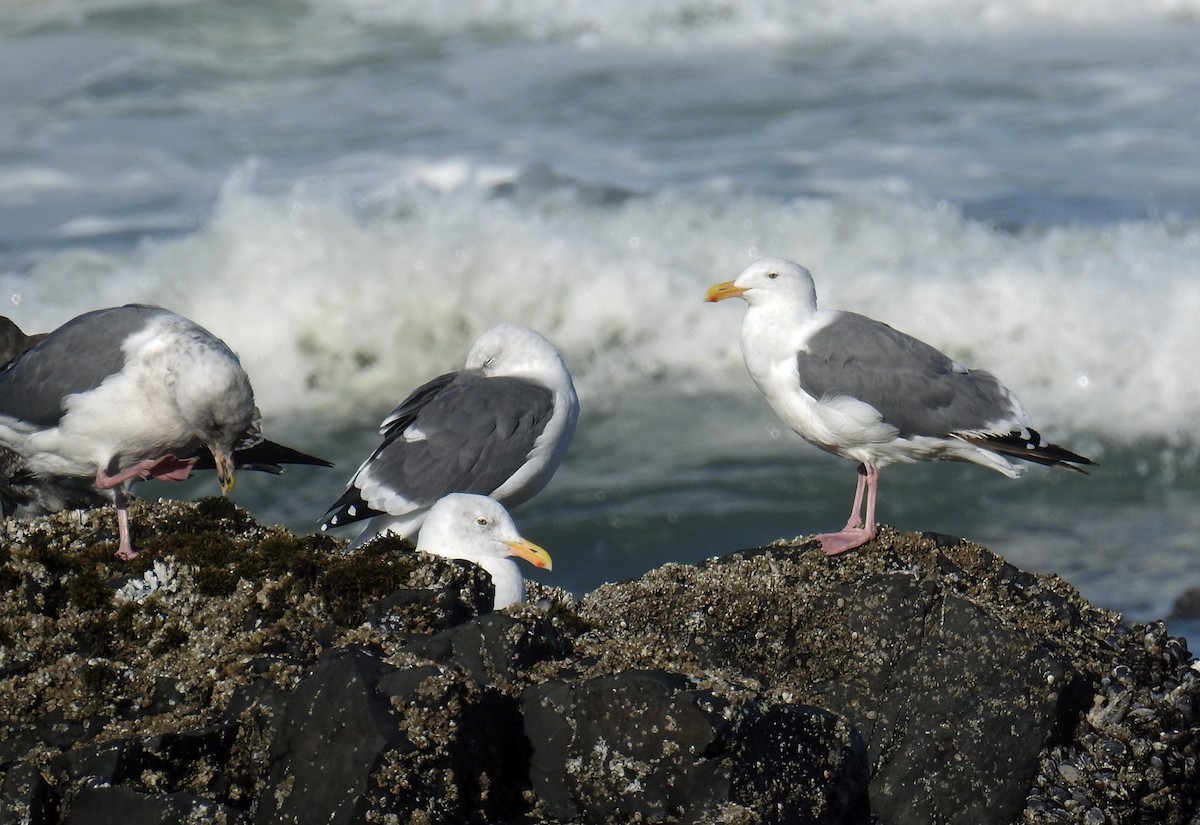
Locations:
{"points": [[240, 674]]}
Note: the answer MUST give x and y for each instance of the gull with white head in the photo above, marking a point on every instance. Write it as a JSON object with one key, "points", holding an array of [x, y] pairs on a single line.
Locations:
{"points": [[478, 529], [860, 389], [498, 427]]}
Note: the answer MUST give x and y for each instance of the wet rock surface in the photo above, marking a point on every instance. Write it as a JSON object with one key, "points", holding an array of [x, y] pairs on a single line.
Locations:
{"points": [[237, 673]]}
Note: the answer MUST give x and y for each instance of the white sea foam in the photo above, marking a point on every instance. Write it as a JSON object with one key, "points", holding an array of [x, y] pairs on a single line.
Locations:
{"points": [[678, 22], [674, 23], [333, 306]]}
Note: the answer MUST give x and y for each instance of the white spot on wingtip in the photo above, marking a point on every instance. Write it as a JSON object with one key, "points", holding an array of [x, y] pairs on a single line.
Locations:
{"points": [[352, 510]]}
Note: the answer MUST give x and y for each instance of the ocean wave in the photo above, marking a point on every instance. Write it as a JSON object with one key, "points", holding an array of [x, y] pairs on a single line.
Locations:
{"points": [[678, 22], [335, 303]]}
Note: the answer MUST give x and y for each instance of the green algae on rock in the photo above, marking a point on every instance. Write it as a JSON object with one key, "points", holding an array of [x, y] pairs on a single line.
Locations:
{"points": [[243, 591]]}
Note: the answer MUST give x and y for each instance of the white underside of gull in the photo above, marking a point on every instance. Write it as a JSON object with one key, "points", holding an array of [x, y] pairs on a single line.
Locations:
{"points": [[840, 424]]}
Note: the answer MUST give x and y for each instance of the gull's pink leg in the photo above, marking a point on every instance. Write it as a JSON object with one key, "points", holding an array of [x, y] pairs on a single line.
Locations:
{"points": [[856, 510], [855, 534], [125, 550], [872, 489], [166, 468]]}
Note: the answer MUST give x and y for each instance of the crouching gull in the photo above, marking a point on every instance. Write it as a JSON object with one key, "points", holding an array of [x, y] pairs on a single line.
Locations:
{"points": [[497, 427], [859, 389], [120, 395], [478, 529]]}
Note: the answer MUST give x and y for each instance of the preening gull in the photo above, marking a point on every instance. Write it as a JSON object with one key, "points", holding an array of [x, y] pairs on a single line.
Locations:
{"points": [[23, 493], [478, 529], [123, 394], [859, 389], [498, 427]]}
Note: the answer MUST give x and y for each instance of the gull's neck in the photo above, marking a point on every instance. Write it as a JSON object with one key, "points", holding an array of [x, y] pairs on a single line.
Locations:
{"points": [[773, 332], [507, 579]]}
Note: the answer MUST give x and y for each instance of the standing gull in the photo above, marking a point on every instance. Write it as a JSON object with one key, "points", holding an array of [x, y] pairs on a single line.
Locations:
{"points": [[859, 389], [125, 394], [478, 529], [498, 427]]}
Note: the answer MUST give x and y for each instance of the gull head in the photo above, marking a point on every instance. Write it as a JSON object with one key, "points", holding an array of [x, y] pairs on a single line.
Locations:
{"points": [[769, 280], [476, 528]]}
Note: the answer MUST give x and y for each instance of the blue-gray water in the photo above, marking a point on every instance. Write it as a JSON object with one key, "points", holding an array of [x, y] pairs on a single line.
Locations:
{"points": [[348, 191]]}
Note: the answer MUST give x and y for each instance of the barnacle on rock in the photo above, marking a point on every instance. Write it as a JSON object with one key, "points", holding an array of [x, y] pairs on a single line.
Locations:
{"points": [[160, 578]]}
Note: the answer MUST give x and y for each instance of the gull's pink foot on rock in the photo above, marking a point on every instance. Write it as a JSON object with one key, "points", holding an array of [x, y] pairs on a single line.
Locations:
{"points": [[848, 539]]}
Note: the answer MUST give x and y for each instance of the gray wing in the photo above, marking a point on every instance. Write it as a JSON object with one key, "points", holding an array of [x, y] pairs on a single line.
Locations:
{"points": [[477, 431], [916, 389], [74, 358]]}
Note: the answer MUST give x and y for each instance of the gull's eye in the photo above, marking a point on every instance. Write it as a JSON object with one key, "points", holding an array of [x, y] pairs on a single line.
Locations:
{"points": [[481, 521], [772, 275]]}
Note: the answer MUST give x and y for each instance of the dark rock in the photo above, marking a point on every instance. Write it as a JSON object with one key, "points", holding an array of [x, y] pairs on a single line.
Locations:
{"points": [[193, 758], [946, 658], [650, 746], [437, 609], [495, 648], [26, 798], [332, 738], [119, 806], [166, 696], [464, 758], [257, 676], [102, 763], [412, 611], [18, 737], [1001, 695], [360, 737], [634, 746], [797, 763], [1187, 605]]}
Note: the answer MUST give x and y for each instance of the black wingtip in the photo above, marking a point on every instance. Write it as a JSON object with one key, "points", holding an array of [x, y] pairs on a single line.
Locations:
{"points": [[347, 510], [264, 457], [1028, 446], [270, 452]]}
